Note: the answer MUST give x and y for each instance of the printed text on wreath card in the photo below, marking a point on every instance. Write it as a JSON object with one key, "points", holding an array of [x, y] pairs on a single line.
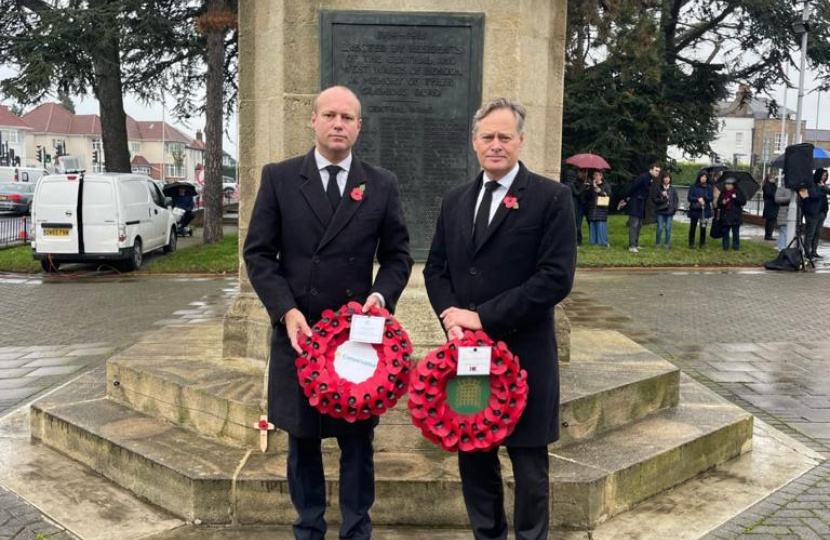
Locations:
{"points": [[355, 361], [474, 360]]}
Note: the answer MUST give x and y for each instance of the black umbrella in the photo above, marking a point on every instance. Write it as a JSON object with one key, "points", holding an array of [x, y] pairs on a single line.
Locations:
{"points": [[170, 190], [748, 185]]}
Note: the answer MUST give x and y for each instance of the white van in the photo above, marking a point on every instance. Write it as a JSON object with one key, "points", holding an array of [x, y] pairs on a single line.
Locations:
{"points": [[21, 174], [81, 217]]}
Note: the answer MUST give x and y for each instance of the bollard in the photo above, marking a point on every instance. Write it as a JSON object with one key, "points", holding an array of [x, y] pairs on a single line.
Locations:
{"points": [[23, 235]]}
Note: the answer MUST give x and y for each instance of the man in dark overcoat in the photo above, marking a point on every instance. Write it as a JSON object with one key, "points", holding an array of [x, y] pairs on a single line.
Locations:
{"points": [[318, 224], [635, 205], [503, 256]]}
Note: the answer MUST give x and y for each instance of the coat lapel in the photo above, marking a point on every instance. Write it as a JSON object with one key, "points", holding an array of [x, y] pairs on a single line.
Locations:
{"points": [[348, 206], [516, 188], [468, 209], [312, 189]]}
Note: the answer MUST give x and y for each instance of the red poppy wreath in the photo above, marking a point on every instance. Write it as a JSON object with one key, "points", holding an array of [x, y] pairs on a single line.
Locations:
{"points": [[339, 397], [484, 429]]}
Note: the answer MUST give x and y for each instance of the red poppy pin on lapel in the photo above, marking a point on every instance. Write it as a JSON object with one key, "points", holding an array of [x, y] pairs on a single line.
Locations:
{"points": [[511, 202], [357, 193]]}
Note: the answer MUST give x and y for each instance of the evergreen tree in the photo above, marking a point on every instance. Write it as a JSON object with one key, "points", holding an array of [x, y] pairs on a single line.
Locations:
{"points": [[98, 47], [641, 76]]}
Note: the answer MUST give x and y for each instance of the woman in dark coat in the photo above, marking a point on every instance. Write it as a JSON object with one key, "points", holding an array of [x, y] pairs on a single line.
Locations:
{"points": [[730, 207], [770, 206], [700, 207], [665, 201], [599, 196]]}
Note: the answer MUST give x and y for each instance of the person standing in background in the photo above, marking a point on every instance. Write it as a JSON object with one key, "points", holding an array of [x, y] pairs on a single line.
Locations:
{"points": [[770, 206], [665, 201]]}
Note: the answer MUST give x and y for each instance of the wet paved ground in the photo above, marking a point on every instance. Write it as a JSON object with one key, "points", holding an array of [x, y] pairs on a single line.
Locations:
{"points": [[760, 339]]}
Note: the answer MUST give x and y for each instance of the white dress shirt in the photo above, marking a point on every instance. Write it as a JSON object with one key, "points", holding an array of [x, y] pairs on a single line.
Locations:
{"points": [[344, 165], [498, 193]]}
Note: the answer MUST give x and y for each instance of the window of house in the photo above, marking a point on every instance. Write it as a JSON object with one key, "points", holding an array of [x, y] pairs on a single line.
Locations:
{"points": [[9, 136], [781, 142], [739, 140], [61, 142], [135, 148]]}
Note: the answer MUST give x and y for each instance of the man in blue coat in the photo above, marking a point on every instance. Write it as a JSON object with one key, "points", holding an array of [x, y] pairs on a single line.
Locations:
{"points": [[503, 256], [318, 224], [635, 205]]}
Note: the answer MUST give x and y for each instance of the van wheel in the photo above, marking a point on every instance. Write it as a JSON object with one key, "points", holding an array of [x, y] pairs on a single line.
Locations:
{"points": [[171, 245], [136, 257], [49, 267]]}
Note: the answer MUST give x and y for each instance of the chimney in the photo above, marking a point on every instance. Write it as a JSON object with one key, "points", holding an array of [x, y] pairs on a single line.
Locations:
{"points": [[199, 135]]}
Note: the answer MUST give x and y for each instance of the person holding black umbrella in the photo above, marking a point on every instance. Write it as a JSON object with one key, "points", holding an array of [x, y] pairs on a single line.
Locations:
{"points": [[730, 208]]}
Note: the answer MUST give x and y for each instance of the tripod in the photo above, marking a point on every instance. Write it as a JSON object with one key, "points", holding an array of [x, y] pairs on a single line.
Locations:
{"points": [[798, 241]]}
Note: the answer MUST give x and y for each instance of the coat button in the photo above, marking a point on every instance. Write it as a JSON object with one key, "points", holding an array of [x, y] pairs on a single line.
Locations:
{"points": [[316, 260], [473, 270], [348, 293], [313, 291], [472, 307]]}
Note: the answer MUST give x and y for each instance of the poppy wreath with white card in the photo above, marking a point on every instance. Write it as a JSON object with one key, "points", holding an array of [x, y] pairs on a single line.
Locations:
{"points": [[353, 380], [481, 430]]}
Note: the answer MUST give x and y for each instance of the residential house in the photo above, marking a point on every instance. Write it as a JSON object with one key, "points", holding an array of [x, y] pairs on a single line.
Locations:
{"points": [[750, 132], [156, 148], [13, 131]]}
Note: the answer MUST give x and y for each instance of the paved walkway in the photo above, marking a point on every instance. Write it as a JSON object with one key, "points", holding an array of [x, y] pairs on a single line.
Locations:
{"points": [[57, 328], [760, 339]]}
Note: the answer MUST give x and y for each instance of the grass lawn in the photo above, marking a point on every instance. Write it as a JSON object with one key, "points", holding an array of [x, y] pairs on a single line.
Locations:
{"points": [[223, 257], [216, 258], [18, 259], [752, 253]]}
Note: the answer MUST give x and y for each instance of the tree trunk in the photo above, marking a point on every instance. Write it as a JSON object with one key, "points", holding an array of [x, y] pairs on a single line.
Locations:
{"points": [[212, 194], [108, 90]]}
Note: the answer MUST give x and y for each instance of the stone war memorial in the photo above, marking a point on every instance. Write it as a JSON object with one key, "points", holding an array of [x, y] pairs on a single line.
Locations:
{"points": [[175, 420]]}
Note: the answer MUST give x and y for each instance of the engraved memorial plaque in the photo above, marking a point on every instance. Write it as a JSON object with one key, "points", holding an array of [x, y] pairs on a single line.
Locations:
{"points": [[418, 77]]}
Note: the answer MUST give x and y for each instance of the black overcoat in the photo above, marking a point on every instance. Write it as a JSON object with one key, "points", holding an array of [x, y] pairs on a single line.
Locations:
{"points": [[300, 255], [523, 268]]}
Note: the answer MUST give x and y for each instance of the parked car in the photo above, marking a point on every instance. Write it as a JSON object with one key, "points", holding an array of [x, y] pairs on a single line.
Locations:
{"points": [[21, 174], [100, 217], [17, 197]]}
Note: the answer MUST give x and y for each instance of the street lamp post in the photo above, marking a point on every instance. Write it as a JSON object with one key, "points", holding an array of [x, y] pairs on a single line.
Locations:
{"points": [[800, 27]]}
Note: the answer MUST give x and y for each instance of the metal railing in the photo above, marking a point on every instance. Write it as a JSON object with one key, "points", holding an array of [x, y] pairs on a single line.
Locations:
{"points": [[15, 231]]}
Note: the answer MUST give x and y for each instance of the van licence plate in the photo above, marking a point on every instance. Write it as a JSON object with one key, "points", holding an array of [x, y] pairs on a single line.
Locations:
{"points": [[55, 232]]}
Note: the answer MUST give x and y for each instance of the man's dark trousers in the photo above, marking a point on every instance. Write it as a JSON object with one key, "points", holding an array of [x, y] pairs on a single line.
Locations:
{"points": [[307, 485], [484, 493]]}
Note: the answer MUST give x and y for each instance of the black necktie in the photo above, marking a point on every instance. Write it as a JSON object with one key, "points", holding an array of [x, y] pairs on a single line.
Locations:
{"points": [[483, 215], [332, 191]]}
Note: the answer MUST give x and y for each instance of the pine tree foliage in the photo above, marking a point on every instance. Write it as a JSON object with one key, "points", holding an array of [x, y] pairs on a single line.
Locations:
{"points": [[643, 75]]}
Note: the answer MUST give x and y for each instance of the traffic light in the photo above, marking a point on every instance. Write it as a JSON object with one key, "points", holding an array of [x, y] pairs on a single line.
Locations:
{"points": [[95, 156], [39, 154], [47, 159]]}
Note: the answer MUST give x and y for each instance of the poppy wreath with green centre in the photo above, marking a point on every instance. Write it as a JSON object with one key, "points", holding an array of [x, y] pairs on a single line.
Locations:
{"points": [[483, 430], [340, 398]]}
